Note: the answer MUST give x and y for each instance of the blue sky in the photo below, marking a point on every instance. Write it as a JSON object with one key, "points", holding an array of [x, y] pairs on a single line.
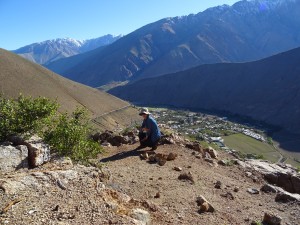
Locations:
{"points": [[24, 22]]}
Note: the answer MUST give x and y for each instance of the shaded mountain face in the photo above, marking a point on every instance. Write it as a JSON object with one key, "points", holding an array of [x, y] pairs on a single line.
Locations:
{"points": [[266, 90], [51, 50], [248, 30], [18, 75]]}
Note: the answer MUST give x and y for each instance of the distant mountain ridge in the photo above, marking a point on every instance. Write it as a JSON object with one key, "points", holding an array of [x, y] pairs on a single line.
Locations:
{"points": [[51, 50], [246, 31], [266, 90]]}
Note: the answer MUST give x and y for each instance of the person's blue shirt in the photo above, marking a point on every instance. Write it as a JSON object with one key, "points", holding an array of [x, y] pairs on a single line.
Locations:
{"points": [[154, 132]]}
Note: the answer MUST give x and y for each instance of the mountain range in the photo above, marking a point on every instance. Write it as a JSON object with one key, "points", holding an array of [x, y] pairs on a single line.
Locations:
{"points": [[51, 50], [267, 90], [20, 76], [248, 30]]}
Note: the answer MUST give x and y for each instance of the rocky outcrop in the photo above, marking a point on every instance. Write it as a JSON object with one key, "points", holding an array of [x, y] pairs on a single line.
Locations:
{"points": [[68, 194], [284, 176], [18, 153], [113, 139], [13, 157], [38, 151]]}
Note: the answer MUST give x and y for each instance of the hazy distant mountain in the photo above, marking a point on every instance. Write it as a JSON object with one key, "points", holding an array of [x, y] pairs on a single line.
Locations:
{"points": [[52, 50], [18, 75], [248, 30], [266, 90]]}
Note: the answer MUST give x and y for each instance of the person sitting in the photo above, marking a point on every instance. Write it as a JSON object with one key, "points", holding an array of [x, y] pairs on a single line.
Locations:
{"points": [[149, 134]]}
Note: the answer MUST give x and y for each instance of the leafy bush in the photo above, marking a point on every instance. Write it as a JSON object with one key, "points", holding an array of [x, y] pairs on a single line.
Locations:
{"points": [[25, 115], [69, 136]]}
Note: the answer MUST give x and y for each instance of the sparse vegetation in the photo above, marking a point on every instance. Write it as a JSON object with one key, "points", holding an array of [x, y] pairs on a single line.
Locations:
{"points": [[67, 134], [24, 115]]}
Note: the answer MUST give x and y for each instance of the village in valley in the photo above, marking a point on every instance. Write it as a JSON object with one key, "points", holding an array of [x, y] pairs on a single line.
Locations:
{"points": [[208, 129]]}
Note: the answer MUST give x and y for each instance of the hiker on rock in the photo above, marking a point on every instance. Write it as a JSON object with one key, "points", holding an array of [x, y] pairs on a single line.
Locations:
{"points": [[149, 134]]}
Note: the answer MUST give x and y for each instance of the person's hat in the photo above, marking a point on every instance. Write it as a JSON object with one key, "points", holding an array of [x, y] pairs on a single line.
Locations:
{"points": [[144, 111]]}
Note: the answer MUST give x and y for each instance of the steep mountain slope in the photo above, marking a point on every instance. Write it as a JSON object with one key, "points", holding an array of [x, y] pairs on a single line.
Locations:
{"points": [[267, 90], [248, 30], [18, 75], [51, 50]]}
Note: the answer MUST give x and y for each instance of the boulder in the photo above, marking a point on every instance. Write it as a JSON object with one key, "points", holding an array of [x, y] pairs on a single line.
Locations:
{"points": [[205, 206], [284, 176], [271, 219], [284, 196], [38, 151], [268, 188], [13, 158], [296, 183]]}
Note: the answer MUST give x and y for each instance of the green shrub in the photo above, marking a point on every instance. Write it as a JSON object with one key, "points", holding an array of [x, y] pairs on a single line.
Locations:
{"points": [[69, 136], [24, 115]]}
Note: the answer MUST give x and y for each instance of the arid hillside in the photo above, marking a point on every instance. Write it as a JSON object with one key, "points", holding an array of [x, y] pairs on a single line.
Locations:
{"points": [[183, 183], [18, 76]]}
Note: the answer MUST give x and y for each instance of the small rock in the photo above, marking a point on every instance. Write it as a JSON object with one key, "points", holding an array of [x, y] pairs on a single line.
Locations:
{"points": [[236, 189], [171, 156], [218, 184], [162, 162], [176, 168], [186, 176], [228, 195], [222, 162], [252, 191], [198, 156], [142, 216], [60, 184], [272, 219], [157, 195], [32, 211], [248, 174], [212, 152], [144, 156], [106, 144], [152, 158], [205, 206]]}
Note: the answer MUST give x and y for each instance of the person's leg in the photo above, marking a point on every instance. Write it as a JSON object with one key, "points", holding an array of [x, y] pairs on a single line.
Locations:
{"points": [[154, 144], [143, 144]]}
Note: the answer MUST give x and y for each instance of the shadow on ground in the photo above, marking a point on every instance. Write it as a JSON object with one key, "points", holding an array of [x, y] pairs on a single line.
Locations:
{"points": [[122, 155]]}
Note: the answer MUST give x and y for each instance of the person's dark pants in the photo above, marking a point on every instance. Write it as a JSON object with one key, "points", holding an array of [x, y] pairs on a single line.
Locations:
{"points": [[147, 142]]}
